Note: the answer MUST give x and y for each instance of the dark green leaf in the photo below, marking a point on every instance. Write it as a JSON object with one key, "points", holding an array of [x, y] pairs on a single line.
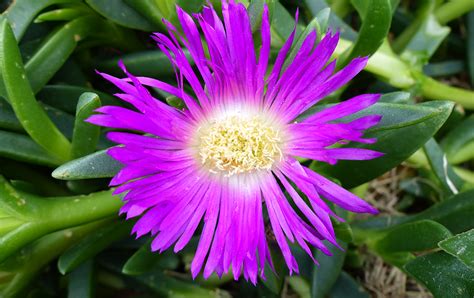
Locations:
{"points": [[458, 143], [444, 275], [21, 97], [328, 271], [347, 287], [54, 52], [424, 42], [23, 148], [8, 119], [121, 13], [412, 124], [461, 246], [168, 286], [144, 260], [92, 244], [81, 281], [445, 68], [282, 24], [335, 23], [65, 97], [150, 10], [95, 165], [455, 213], [22, 12], [411, 237], [449, 181], [375, 25], [150, 64], [470, 45], [86, 135]]}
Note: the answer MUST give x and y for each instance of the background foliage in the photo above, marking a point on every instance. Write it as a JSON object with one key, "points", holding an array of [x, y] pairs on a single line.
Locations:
{"points": [[59, 232]]}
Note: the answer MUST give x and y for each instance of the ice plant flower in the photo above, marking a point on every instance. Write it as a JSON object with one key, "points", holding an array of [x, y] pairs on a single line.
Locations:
{"points": [[228, 160]]}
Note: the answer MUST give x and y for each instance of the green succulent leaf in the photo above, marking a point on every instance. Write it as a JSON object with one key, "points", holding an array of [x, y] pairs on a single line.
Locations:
{"points": [[32, 117], [449, 181], [414, 124], [455, 213], [92, 244], [23, 148], [444, 275], [81, 281], [86, 135], [376, 20], [459, 142], [121, 13], [149, 63], [21, 12], [461, 246], [326, 274], [95, 165], [347, 287], [412, 237], [144, 260]]}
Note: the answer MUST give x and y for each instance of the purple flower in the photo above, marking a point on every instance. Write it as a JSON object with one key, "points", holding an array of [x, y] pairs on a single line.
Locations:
{"points": [[231, 154]]}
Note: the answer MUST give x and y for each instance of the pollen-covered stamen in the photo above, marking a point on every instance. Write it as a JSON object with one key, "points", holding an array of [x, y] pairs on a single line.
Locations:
{"points": [[238, 144]]}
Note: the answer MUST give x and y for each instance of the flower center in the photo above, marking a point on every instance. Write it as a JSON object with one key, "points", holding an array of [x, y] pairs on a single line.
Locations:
{"points": [[236, 145]]}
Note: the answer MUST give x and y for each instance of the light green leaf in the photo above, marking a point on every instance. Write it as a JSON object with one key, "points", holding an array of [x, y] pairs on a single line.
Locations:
{"points": [[95, 165], [21, 97], [86, 135]]}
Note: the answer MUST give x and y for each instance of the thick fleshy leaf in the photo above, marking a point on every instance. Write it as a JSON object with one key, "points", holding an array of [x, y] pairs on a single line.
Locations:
{"points": [[425, 41], [144, 260], [86, 135], [470, 45], [65, 97], [81, 281], [444, 275], [56, 49], [449, 181], [150, 64], [347, 287], [328, 271], [403, 129], [455, 213], [461, 246], [412, 237], [335, 23], [20, 95], [95, 165], [22, 12], [459, 142], [376, 20], [121, 13], [23, 148], [92, 244]]}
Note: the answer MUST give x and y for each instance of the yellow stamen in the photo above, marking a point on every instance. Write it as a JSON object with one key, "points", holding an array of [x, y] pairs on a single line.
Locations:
{"points": [[236, 145]]}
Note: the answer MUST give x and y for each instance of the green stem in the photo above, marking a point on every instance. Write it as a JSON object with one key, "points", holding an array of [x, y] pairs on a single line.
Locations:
{"points": [[46, 215], [452, 10], [433, 89], [26, 263]]}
